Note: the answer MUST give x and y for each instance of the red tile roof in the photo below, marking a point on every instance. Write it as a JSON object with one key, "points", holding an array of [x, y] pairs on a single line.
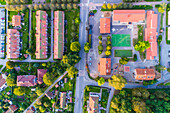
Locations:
{"points": [[105, 66], [26, 80], [150, 34], [12, 109], [63, 100], [126, 68], [128, 15], [145, 74], [105, 25], [13, 38], [58, 34], [2, 81], [93, 104], [40, 75], [41, 35], [16, 20]]}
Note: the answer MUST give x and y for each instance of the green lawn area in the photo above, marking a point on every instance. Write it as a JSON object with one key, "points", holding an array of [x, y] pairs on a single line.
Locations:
{"points": [[70, 17], [104, 99], [2, 2], [161, 20], [121, 40], [10, 14], [152, 0], [123, 53], [1, 66], [48, 1], [167, 84]]}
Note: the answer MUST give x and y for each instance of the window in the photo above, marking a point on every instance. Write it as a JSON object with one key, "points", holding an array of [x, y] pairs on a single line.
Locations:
{"points": [[151, 77], [148, 77], [139, 77]]}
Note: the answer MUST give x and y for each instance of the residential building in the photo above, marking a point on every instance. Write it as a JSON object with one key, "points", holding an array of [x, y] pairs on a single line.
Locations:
{"points": [[144, 74], [105, 25], [26, 80], [16, 20], [93, 104], [62, 99], [104, 67], [3, 83], [12, 108], [128, 16], [41, 73], [31, 110], [13, 40], [58, 34], [50, 95], [150, 35], [168, 33], [41, 35], [168, 17], [2, 32]]}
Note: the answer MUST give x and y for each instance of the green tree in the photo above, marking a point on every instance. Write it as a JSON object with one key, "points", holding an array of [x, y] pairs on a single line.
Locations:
{"points": [[47, 104], [162, 8], [20, 91], [75, 6], [104, 6], [36, 7], [142, 45], [72, 71], [117, 81], [109, 6], [22, 107], [140, 92], [77, 20], [75, 46], [63, 6], [44, 64], [108, 42], [139, 106], [48, 78], [52, 6], [124, 60], [108, 53], [11, 79], [46, 6], [10, 65], [41, 6], [39, 91], [86, 47], [100, 37], [69, 107], [114, 6], [69, 6], [42, 109], [101, 81], [108, 47]]}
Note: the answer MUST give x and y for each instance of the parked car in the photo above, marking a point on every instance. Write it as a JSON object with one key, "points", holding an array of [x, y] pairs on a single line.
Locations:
{"points": [[169, 53], [169, 64]]}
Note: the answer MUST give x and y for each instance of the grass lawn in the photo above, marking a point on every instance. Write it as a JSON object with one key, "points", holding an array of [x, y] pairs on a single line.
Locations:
{"points": [[70, 16], [167, 84], [104, 99], [1, 66], [161, 20], [48, 1], [10, 14], [2, 2], [123, 53], [25, 32], [121, 40]]}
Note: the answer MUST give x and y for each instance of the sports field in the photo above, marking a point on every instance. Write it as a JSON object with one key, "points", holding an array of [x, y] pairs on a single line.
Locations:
{"points": [[121, 40], [123, 53]]}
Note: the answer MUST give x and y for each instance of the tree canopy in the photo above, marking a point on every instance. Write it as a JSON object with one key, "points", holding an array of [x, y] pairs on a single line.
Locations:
{"points": [[48, 78], [101, 81], [142, 45], [75, 46], [86, 47], [117, 81], [20, 91], [124, 60], [72, 71], [10, 65], [11, 79]]}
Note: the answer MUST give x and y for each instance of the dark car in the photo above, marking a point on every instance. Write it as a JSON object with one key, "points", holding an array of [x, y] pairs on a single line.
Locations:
{"points": [[169, 64], [168, 53]]}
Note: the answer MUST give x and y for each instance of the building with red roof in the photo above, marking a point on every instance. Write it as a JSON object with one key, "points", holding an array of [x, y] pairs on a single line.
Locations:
{"points": [[150, 34], [128, 16], [104, 25], [16, 20], [93, 104], [144, 74], [12, 109], [26, 80], [13, 39], [41, 35], [40, 74], [58, 34], [104, 67], [3, 83]]}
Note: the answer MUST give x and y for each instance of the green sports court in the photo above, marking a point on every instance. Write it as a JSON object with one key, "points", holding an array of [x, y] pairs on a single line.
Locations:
{"points": [[121, 40], [123, 53]]}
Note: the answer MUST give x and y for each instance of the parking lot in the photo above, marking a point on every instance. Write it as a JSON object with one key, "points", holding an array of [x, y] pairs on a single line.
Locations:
{"points": [[2, 32]]}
